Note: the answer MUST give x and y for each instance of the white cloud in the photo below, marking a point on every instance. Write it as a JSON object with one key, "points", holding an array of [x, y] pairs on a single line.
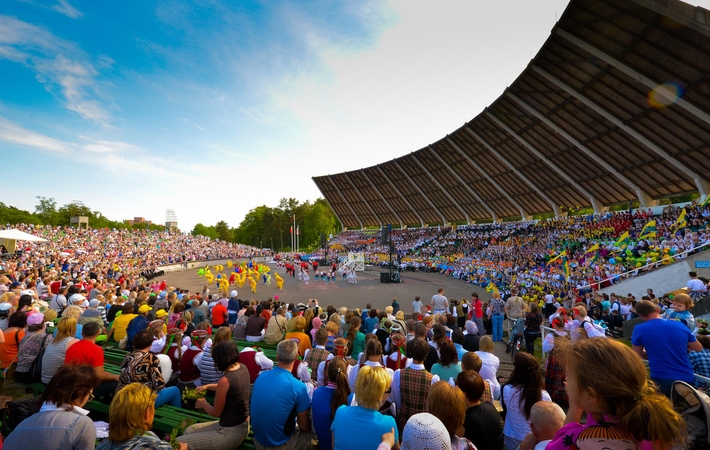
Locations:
{"points": [[15, 134], [68, 10], [58, 64]]}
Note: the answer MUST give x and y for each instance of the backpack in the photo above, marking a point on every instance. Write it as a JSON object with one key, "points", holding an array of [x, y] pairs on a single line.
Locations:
{"points": [[36, 367], [694, 406], [17, 411]]}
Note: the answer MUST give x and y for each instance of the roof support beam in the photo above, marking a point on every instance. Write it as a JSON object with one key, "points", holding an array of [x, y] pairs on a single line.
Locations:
{"points": [[454, 202], [598, 207], [700, 183], [401, 224], [421, 221], [420, 191], [694, 110], [363, 199], [523, 215], [555, 207], [346, 201], [342, 225], [464, 184], [644, 198]]}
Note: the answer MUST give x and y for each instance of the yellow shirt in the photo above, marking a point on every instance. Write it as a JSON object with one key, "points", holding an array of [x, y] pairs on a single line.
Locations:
{"points": [[120, 323]]}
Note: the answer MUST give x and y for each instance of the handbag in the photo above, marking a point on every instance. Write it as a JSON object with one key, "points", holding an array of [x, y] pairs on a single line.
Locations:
{"points": [[17, 411], [36, 367]]}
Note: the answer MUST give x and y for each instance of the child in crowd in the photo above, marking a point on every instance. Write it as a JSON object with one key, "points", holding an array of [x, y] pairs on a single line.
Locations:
{"points": [[623, 408], [679, 311]]}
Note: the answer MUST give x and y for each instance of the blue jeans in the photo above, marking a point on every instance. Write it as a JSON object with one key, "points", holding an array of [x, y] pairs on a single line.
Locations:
{"points": [[169, 396], [497, 322]]}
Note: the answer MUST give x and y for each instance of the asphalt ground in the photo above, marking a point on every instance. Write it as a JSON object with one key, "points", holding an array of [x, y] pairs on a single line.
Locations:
{"points": [[368, 289]]}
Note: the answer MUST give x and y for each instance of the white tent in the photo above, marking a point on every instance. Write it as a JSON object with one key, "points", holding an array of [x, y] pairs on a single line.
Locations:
{"points": [[8, 238]]}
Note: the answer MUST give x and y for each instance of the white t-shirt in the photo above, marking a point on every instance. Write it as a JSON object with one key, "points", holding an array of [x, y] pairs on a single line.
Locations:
{"points": [[549, 299], [516, 425], [696, 285]]}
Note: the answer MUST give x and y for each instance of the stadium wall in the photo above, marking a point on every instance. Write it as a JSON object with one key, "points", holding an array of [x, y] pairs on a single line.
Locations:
{"points": [[663, 280]]}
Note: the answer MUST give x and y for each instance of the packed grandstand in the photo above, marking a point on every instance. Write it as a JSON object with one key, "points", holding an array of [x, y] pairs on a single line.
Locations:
{"points": [[122, 360]]}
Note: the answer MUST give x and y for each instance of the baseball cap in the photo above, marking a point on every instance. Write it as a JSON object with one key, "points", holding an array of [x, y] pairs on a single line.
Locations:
{"points": [[160, 314], [233, 294], [143, 309], [94, 303]]}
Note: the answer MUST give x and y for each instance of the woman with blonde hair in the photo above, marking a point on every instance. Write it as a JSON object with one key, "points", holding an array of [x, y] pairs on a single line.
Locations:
{"points": [[620, 402], [75, 312], [299, 325], [131, 417], [371, 391], [491, 362], [448, 404], [56, 351]]}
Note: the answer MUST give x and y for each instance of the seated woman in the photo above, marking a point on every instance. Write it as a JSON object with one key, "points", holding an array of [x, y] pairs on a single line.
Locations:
{"points": [[209, 374], [371, 391], [449, 365], [523, 390], [327, 399], [256, 326], [56, 352], [299, 324], [13, 334], [32, 345], [131, 417], [142, 366], [481, 421], [231, 404], [446, 402], [490, 364], [372, 358], [120, 323], [61, 421]]}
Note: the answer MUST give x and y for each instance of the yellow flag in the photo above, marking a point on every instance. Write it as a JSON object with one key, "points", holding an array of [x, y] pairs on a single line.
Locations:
{"points": [[564, 253], [591, 249], [680, 223]]}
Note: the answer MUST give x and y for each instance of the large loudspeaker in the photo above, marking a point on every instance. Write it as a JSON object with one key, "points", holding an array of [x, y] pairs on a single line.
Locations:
{"points": [[322, 240], [385, 277], [386, 230]]}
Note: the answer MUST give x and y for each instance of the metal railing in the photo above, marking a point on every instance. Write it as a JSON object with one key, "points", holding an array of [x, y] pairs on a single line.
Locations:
{"points": [[632, 273]]}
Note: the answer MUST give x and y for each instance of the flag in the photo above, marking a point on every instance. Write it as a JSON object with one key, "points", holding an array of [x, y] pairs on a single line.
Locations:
{"points": [[563, 254], [649, 230], [680, 223], [619, 242], [565, 267], [296, 230], [591, 249], [291, 230], [589, 261], [705, 203]]}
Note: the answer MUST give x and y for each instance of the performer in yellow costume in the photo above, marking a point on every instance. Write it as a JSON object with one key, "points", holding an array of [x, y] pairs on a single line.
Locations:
{"points": [[279, 281]]}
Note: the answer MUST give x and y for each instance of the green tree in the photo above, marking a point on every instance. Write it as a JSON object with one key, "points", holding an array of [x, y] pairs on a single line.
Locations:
{"points": [[46, 210], [201, 230], [222, 230]]}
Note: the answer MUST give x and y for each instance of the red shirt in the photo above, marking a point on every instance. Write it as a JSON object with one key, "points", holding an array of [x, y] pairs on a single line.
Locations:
{"points": [[85, 352], [219, 315]]}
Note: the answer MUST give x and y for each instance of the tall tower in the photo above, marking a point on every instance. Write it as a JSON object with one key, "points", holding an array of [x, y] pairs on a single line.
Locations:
{"points": [[171, 221]]}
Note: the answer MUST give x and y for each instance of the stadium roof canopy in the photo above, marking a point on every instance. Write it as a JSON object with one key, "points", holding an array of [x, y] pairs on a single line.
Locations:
{"points": [[594, 119]]}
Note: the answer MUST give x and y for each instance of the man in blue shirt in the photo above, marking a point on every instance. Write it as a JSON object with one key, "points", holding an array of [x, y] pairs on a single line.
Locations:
{"points": [[665, 344], [279, 401]]}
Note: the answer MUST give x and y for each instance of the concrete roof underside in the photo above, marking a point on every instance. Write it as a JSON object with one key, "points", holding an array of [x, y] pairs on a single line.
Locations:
{"points": [[581, 126]]}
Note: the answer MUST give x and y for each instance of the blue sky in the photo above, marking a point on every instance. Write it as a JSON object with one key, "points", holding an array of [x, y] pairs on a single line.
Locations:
{"points": [[212, 108]]}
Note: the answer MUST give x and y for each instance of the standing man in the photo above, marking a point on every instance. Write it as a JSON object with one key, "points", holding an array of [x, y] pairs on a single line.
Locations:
{"points": [[280, 403], [665, 344], [515, 308], [439, 303]]}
